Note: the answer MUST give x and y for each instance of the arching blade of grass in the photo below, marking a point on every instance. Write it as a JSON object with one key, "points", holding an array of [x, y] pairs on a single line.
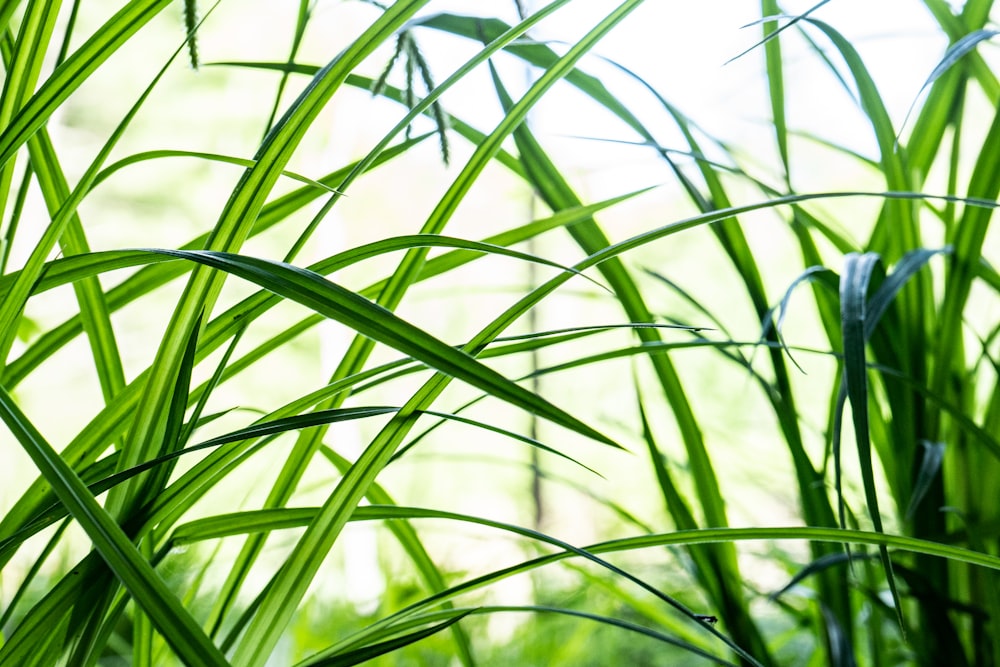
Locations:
{"points": [[539, 609], [264, 428], [67, 270], [360, 655], [711, 535], [381, 325], [150, 278], [246, 163], [55, 337], [213, 527], [840, 535], [678, 538]]}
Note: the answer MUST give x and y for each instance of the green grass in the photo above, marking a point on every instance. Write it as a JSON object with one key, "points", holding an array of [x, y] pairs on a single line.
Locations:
{"points": [[558, 440]]}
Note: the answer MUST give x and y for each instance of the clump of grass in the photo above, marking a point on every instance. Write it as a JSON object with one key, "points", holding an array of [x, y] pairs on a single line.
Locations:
{"points": [[894, 496]]}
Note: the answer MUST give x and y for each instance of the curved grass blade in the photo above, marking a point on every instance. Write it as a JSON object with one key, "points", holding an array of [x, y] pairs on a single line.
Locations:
{"points": [[101, 477], [597, 618], [930, 468], [377, 323], [66, 270], [246, 163], [286, 518], [951, 56], [684, 538], [366, 653], [732, 535], [771, 35], [812, 533], [131, 289]]}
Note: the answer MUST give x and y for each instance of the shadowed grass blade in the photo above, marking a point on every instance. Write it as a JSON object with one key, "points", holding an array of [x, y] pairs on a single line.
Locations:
{"points": [[854, 287]]}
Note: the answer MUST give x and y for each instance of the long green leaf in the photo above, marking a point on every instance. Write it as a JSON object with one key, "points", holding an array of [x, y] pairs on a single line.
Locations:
{"points": [[377, 323]]}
